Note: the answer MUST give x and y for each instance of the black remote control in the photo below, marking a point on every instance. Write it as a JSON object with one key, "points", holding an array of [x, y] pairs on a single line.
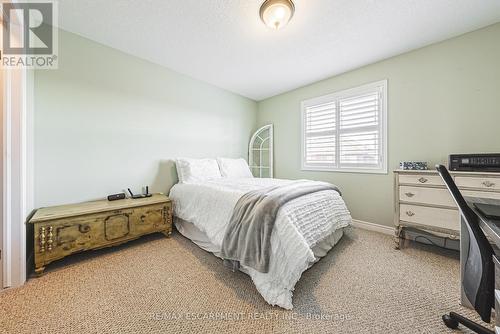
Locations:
{"points": [[115, 197]]}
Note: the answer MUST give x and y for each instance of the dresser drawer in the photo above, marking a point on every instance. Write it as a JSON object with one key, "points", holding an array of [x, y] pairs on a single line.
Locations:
{"points": [[490, 183], [433, 180], [497, 274], [497, 317], [481, 194], [423, 195], [442, 218], [497, 308]]}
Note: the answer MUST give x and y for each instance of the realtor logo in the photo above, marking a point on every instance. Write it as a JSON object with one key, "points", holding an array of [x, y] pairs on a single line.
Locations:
{"points": [[29, 36]]}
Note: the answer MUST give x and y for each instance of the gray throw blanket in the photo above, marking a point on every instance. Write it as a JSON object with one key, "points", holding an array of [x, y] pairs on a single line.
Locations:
{"points": [[247, 239]]}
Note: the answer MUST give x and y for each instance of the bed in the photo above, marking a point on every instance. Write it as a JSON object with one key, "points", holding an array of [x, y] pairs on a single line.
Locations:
{"points": [[305, 228]]}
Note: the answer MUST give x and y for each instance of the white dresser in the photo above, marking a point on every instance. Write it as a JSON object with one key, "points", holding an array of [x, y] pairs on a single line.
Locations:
{"points": [[423, 202]]}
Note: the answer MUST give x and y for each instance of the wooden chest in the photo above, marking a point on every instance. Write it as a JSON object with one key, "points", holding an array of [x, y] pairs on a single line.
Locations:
{"points": [[63, 230]]}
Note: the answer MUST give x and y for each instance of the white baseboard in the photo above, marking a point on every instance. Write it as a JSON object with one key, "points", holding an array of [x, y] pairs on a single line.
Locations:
{"points": [[373, 227]]}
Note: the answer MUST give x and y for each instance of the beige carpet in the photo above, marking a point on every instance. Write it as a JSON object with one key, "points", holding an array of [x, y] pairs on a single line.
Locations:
{"points": [[159, 285]]}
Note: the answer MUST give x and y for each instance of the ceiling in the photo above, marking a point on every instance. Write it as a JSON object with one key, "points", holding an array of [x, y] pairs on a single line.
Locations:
{"points": [[223, 42]]}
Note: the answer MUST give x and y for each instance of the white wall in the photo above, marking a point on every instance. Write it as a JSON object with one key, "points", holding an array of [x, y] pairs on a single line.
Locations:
{"points": [[442, 99], [105, 121]]}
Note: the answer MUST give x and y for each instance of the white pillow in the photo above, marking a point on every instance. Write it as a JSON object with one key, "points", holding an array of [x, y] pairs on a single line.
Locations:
{"points": [[197, 170], [234, 168]]}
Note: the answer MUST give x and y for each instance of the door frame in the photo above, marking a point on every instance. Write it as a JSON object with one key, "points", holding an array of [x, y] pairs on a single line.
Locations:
{"points": [[17, 183], [17, 171], [2, 106]]}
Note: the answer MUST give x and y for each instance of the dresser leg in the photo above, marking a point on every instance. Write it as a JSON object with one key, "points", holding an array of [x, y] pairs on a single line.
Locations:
{"points": [[39, 271], [398, 238]]}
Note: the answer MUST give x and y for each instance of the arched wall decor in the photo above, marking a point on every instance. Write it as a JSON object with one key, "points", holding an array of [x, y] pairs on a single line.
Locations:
{"points": [[260, 152]]}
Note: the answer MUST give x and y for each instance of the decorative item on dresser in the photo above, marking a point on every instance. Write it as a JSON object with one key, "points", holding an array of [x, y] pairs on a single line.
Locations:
{"points": [[423, 202], [63, 230], [413, 165]]}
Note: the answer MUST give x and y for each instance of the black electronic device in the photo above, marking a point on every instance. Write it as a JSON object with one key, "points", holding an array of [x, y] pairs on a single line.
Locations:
{"points": [[487, 162], [136, 196], [115, 197]]}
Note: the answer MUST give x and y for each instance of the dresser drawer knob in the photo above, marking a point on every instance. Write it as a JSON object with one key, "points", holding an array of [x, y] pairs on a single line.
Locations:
{"points": [[409, 194], [422, 180], [488, 184], [410, 213]]}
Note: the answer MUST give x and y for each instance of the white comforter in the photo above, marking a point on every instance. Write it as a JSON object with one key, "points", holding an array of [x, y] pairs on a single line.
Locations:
{"points": [[300, 225]]}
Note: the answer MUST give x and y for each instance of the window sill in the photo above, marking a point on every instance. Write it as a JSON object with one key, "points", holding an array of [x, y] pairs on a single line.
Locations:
{"points": [[345, 170]]}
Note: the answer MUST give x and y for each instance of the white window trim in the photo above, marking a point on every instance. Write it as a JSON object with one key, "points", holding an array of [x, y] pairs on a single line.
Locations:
{"points": [[382, 84]]}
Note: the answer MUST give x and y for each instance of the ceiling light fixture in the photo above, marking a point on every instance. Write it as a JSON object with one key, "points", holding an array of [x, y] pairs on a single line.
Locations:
{"points": [[276, 13]]}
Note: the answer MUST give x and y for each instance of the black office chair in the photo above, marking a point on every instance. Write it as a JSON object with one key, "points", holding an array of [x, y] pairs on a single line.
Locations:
{"points": [[478, 276]]}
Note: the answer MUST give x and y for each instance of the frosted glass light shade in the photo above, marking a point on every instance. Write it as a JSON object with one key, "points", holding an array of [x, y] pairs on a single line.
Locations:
{"points": [[276, 13]]}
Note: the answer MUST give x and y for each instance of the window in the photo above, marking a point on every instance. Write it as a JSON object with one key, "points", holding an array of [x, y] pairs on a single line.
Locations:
{"points": [[346, 131]]}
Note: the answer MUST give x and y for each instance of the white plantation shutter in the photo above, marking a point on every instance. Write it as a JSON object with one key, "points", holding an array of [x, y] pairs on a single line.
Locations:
{"points": [[360, 131], [320, 134], [346, 130]]}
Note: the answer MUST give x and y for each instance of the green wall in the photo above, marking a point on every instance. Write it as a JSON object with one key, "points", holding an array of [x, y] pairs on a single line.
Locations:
{"points": [[105, 121], [442, 99]]}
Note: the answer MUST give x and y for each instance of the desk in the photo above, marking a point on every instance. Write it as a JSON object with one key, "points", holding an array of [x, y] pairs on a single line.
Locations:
{"points": [[491, 229]]}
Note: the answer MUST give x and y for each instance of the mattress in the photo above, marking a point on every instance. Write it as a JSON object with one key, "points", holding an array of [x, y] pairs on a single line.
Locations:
{"points": [[306, 228], [190, 231]]}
